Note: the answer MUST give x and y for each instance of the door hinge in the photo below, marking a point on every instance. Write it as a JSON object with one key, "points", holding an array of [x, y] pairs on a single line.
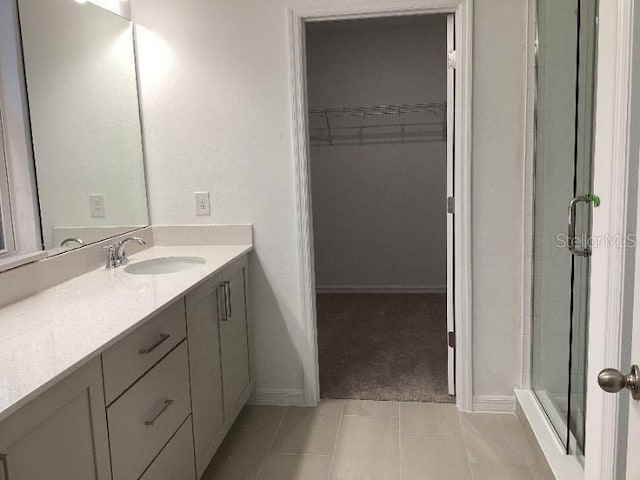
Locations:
{"points": [[451, 337], [452, 63], [451, 205]]}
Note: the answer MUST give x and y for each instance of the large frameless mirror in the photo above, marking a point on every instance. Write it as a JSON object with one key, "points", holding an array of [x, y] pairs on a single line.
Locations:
{"points": [[83, 104]]}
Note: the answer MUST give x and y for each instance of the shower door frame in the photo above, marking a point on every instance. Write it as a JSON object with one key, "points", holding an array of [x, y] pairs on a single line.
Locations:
{"points": [[463, 11], [610, 295]]}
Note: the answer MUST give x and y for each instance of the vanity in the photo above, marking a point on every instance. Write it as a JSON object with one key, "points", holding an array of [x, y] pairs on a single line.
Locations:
{"points": [[130, 375], [112, 366]]}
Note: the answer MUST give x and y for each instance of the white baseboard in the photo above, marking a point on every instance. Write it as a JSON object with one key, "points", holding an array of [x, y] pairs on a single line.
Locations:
{"points": [[381, 289], [494, 404], [277, 396]]}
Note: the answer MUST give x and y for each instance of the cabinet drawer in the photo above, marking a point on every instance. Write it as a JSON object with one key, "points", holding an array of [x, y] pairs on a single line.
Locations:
{"points": [[128, 359], [175, 462], [143, 419]]}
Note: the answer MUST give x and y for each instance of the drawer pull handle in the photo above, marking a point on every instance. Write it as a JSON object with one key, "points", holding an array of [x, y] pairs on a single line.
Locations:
{"points": [[227, 298], [165, 405], [221, 298], [163, 338]]}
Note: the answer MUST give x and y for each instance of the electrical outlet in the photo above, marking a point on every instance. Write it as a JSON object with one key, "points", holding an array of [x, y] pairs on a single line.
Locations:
{"points": [[96, 204], [203, 203]]}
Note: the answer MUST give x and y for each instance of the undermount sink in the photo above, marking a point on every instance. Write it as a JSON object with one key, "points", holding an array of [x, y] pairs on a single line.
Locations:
{"points": [[164, 265]]}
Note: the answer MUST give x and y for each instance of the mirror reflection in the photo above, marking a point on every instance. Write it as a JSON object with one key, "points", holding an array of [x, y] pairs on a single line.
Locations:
{"points": [[83, 104]]}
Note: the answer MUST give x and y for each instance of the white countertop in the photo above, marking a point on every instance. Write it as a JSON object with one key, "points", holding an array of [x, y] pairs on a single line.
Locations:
{"points": [[45, 337]]}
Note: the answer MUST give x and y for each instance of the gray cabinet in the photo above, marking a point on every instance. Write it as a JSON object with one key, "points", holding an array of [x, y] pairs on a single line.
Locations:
{"points": [[148, 414], [175, 462], [135, 354], [203, 316], [234, 337], [62, 434], [169, 399], [219, 354]]}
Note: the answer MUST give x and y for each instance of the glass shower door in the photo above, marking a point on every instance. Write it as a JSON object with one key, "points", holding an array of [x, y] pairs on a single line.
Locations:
{"points": [[563, 177]]}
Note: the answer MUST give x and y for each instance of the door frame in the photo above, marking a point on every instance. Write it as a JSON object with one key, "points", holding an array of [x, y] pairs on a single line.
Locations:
{"points": [[298, 16], [610, 264], [450, 126]]}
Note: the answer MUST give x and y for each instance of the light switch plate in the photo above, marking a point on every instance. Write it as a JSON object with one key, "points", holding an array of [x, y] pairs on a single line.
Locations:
{"points": [[96, 204], [203, 203]]}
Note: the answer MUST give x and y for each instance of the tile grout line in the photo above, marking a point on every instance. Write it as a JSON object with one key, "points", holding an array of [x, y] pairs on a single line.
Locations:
{"points": [[335, 441], [273, 442], [464, 441]]}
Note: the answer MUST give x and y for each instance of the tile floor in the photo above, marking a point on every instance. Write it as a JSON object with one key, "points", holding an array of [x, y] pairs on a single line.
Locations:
{"points": [[368, 440]]}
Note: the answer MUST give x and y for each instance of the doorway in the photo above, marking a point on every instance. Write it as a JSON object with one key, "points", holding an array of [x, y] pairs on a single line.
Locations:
{"points": [[381, 171], [460, 111]]}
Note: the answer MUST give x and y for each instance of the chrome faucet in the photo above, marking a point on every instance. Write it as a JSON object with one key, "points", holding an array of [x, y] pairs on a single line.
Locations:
{"points": [[67, 241], [116, 255]]}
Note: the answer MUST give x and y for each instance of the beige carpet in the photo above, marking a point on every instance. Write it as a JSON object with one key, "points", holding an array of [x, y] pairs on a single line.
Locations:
{"points": [[383, 346]]}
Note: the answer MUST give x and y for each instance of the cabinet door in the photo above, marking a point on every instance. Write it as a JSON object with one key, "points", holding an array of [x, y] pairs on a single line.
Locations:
{"points": [[206, 374], [234, 336], [62, 434]]}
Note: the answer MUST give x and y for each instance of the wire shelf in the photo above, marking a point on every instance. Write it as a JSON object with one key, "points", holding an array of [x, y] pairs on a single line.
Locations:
{"points": [[415, 123]]}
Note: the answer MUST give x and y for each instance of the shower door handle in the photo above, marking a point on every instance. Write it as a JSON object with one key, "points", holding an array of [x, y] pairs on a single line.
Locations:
{"points": [[571, 234], [613, 381]]}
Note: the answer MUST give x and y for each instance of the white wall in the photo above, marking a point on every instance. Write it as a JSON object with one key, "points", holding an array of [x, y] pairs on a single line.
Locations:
{"points": [[81, 80], [499, 93], [216, 107], [379, 210], [119, 7]]}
